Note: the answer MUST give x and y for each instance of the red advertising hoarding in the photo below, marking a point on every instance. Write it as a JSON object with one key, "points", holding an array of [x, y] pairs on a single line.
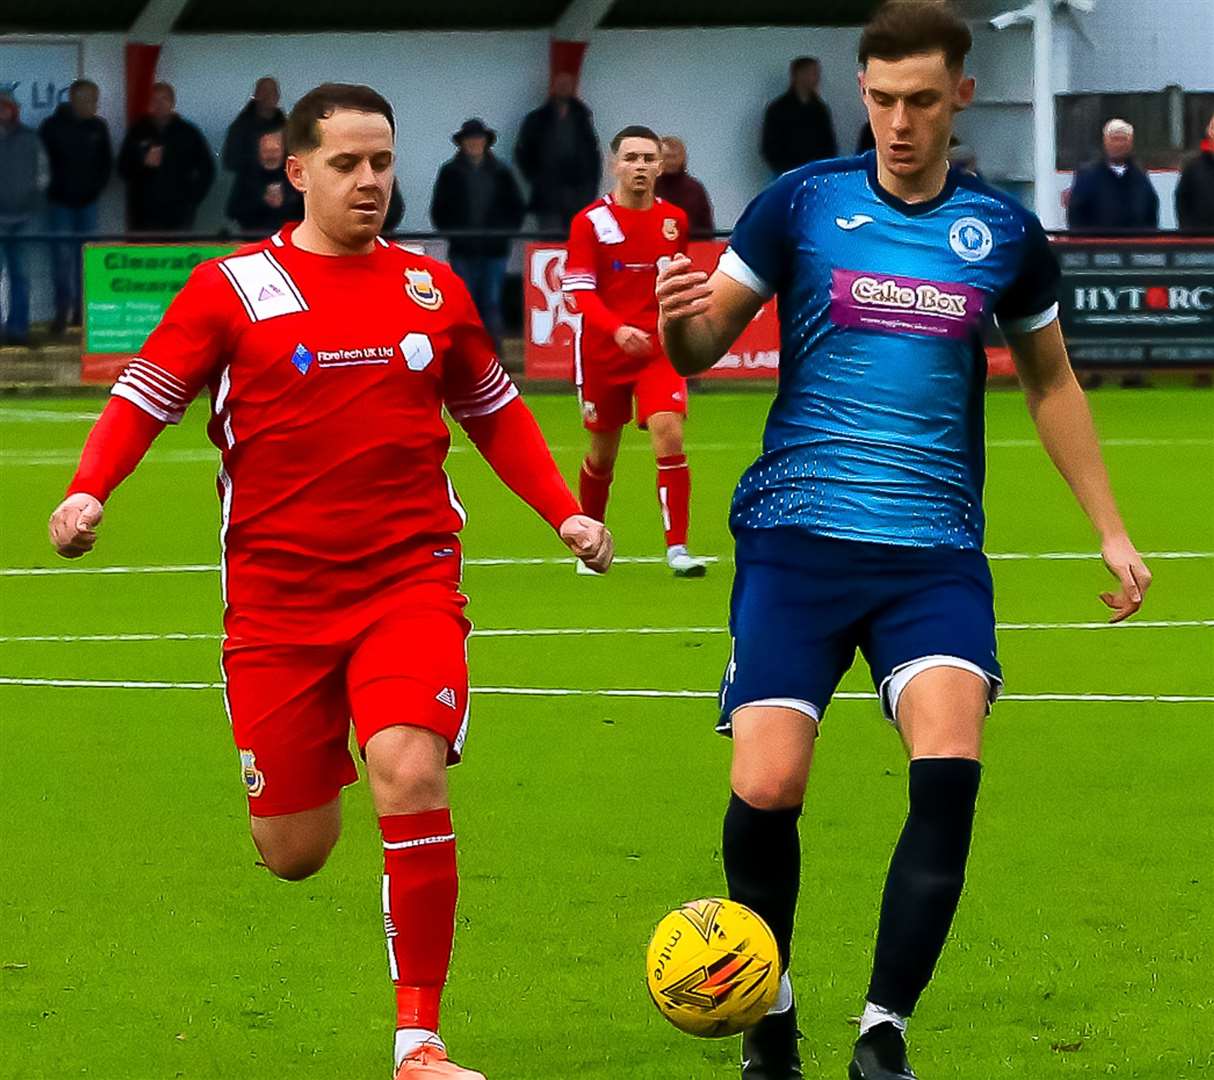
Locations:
{"points": [[552, 333]]}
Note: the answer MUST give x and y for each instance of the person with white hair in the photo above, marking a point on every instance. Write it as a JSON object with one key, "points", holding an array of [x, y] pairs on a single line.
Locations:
{"points": [[1115, 194]]}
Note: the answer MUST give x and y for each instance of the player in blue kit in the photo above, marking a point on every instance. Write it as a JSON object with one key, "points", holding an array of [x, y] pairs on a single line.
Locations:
{"points": [[860, 525]]}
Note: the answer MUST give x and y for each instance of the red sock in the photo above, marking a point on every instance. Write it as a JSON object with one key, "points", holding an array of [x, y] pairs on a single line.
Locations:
{"points": [[674, 496], [593, 488], [420, 886]]}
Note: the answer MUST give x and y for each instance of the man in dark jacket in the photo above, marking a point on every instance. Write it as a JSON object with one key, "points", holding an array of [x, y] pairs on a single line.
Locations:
{"points": [[23, 178], [797, 127], [1115, 193], [167, 165], [260, 115], [558, 154], [81, 160], [262, 199], [474, 190], [676, 186], [1195, 192]]}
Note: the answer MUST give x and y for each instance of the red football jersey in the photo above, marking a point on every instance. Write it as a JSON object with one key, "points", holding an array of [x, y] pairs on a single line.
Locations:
{"points": [[617, 253], [327, 378]]}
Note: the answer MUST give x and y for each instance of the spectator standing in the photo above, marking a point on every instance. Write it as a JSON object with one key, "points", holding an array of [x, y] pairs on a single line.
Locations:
{"points": [[1195, 192], [558, 154], [797, 127], [261, 115], [262, 199], [676, 186], [474, 190], [81, 157], [167, 165], [1114, 193], [24, 171]]}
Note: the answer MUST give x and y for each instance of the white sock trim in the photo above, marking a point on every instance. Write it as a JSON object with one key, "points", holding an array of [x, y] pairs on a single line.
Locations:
{"points": [[784, 998], [409, 1039], [874, 1015]]}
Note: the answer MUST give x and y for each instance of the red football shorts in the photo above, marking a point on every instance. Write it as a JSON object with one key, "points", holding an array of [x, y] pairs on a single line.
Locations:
{"points": [[398, 660], [607, 399]]}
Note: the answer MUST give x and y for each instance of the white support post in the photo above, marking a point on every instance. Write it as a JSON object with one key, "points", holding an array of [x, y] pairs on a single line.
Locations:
{"points": [[1045, 133]]}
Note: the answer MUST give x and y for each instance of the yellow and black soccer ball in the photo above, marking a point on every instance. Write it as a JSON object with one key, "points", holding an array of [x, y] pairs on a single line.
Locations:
{"points": [[713, 968]]}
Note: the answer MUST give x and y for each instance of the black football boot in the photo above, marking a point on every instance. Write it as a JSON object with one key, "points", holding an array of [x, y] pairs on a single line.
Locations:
{"points": [[769, 1049], [880, 1054]]}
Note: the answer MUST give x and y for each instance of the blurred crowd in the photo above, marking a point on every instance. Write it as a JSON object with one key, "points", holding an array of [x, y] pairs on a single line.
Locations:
{"points": [[168, 168]]}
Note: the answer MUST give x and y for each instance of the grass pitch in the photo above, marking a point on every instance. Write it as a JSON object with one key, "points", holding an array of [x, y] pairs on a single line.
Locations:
{"points": [[138, 939]]}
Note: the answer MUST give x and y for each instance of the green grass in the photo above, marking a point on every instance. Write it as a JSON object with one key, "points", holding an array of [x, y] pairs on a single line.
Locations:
{"points": [[138, 938]]}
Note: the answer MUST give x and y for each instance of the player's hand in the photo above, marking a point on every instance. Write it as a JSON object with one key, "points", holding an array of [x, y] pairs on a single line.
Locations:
{"points": [[633, 341], [681, 291], [589, 540], [73, 525], [1126, 565]]}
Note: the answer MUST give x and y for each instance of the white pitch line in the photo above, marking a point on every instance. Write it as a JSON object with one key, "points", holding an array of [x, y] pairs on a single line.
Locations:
{"points": [[588, 631], [553, 691], [625, 560]]}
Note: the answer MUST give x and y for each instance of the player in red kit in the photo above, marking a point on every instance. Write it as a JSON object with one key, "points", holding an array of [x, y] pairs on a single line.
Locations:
{"points": [[617, 245], [329, 355]]}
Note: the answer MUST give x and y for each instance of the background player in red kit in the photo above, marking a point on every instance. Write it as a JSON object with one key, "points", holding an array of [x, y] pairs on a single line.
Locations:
{"points": [[617, 245], [329, 354]]}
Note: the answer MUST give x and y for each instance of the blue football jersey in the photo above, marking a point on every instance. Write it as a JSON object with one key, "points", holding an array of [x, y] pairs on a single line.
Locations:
{"points": [[876, 432]]}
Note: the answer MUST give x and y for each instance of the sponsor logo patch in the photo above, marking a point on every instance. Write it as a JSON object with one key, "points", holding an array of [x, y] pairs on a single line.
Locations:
{"points": [[420, 288], [254, 779], [901, 305], [302, 359]]}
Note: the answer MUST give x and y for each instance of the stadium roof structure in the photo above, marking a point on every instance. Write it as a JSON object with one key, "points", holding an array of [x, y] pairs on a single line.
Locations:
{"points": [[286, 16]]}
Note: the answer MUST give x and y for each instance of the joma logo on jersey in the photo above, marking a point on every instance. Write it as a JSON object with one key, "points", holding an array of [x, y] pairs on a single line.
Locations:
{"points": [[925, 298], [420, 288]]}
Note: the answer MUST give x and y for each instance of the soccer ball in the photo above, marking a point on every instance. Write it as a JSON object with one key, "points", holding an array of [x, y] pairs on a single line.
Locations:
{"points": [[713, 968]]}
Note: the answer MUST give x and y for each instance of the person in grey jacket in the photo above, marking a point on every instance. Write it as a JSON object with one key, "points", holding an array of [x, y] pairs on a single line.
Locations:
{"points": [[24, 169]]}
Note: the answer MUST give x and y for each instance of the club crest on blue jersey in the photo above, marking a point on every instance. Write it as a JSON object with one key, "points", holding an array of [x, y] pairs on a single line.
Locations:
{"points": [[971, 239], [254, 779], [420, 288], [302, 359]]}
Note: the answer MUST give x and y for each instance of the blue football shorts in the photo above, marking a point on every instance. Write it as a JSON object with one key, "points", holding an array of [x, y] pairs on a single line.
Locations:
{"points": [[802, 604]]}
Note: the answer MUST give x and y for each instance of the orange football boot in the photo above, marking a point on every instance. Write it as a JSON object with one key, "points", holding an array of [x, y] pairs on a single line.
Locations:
{"points": [[430, 1062]]}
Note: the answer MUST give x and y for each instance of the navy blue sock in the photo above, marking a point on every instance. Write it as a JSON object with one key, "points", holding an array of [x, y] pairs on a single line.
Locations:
{"points": [[926, 875], [762, 855]]}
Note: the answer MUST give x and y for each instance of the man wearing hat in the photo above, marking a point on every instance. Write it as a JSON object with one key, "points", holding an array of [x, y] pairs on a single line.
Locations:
{"points": [[475, 191]]}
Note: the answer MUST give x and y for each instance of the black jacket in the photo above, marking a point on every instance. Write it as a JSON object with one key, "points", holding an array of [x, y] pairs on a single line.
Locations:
{"points": [[450, 208], [794, 134], [240, 143], [1195, 193], [549, 174], [1100, 199], [247, 203], [80, 155], [165, 197]]}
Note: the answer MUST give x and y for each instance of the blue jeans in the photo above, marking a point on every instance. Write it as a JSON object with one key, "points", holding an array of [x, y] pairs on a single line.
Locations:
{"points": [[12, 263], [484, 275], [66, 255]]}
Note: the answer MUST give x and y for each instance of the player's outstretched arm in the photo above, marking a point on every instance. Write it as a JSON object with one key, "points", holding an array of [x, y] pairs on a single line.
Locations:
{"points": [[512, 443], [699, 317], [1064, 422], [114, 447]]}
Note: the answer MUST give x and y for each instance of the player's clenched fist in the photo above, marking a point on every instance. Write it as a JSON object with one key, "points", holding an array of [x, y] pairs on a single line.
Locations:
{"points": [[681, 291], [589, 540], [73, 525]]}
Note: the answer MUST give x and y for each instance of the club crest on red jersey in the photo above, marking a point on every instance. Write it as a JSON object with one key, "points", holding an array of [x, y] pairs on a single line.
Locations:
{"points": [[254, 778], [420, 288], [670, 228]]}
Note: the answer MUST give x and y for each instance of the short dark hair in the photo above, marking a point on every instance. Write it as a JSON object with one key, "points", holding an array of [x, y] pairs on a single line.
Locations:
{"points": [[167, 88], [803, 62], [902, 28], [303, 125], [82, 84], [635, 131]]}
